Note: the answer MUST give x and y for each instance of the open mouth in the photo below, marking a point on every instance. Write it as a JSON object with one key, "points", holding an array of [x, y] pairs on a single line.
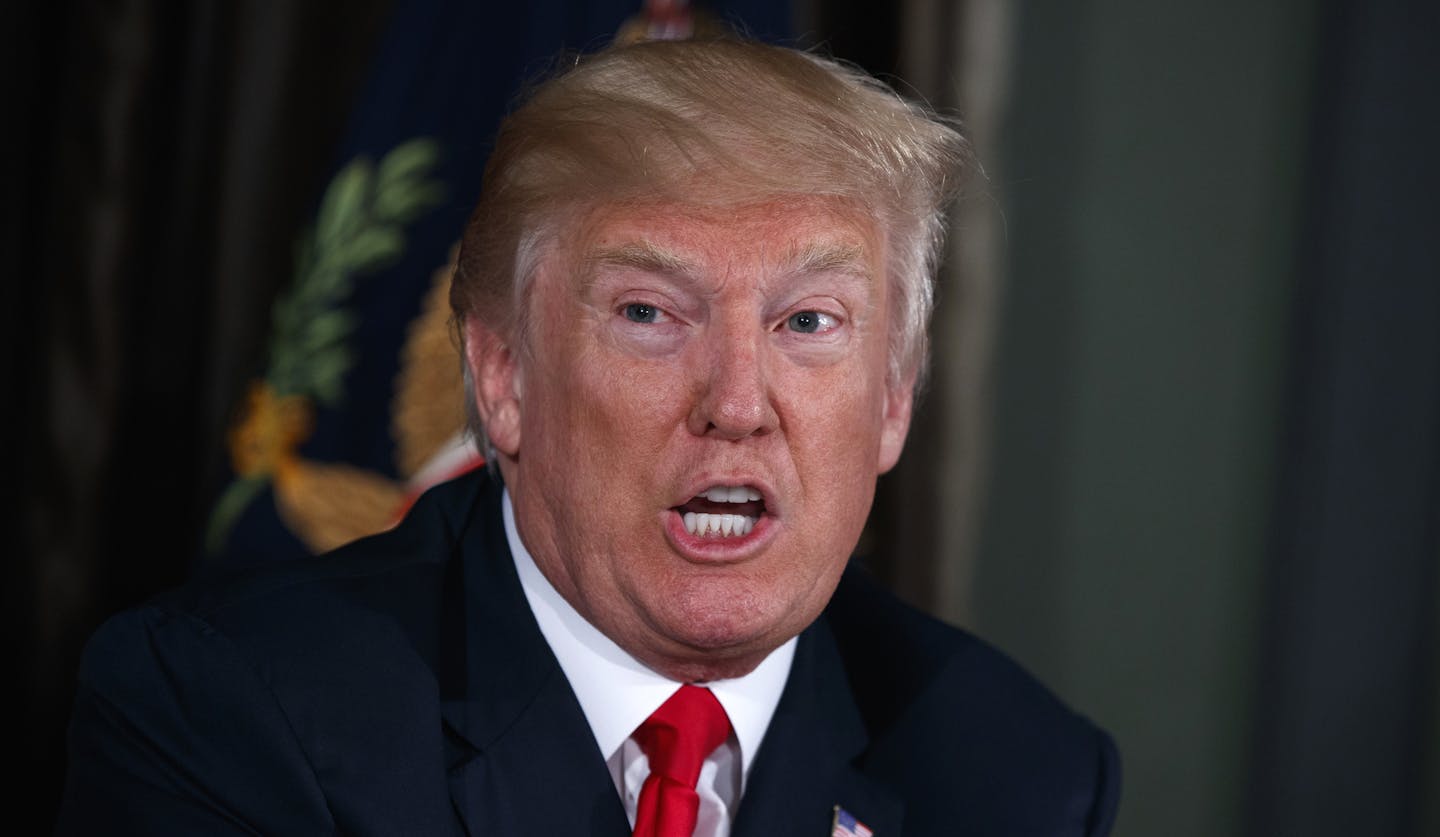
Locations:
{"points": [[722, 511]]}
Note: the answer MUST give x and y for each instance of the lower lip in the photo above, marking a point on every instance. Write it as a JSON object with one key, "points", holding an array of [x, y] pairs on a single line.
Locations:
{"points": [[718, 549]]}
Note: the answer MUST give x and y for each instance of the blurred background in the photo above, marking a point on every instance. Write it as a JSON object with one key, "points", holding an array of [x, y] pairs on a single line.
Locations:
{"points": [[1180, 453]]}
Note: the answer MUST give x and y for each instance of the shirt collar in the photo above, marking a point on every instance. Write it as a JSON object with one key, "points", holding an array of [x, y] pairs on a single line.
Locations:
{"points": [[616, 691]]}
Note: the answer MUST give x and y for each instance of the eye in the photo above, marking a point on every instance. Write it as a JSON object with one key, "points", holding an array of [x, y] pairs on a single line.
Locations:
{"points": [[639, 312], [810, 322]]}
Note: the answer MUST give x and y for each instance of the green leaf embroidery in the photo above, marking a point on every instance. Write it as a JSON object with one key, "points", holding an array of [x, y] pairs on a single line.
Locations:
{"points": [[359, 229]]}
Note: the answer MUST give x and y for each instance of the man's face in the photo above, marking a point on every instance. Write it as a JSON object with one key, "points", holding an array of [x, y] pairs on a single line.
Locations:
{"points": [[688, 364]]}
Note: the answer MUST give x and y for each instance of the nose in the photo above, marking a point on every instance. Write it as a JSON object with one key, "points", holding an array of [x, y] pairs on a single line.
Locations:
{"points": [[735, 400]]}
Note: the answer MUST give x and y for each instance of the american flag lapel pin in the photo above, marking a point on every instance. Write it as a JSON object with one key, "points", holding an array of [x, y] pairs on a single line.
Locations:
{"points": [[845, 825]]}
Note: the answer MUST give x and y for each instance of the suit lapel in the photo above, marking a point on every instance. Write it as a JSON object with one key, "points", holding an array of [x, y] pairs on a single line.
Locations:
{"points": [[807, 763], [521, 756]]}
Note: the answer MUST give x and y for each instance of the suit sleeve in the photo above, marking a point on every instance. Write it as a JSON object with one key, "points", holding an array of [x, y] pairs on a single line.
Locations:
{"points": [[1107, 793], [174, 732]]}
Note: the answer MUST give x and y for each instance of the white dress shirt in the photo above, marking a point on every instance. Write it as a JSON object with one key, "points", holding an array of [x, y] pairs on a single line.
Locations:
{"points": [[617, 693]]}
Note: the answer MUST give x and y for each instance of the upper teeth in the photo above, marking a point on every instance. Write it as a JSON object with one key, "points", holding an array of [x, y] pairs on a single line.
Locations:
{"points": [[730, 494]]}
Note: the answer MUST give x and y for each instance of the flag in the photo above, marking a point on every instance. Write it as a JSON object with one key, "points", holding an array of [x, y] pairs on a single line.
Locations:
{"points": [[845, 825], [360, 406]]}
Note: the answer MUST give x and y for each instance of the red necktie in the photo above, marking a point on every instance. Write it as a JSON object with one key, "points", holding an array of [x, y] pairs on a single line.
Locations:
{"points": [[676, 739]]}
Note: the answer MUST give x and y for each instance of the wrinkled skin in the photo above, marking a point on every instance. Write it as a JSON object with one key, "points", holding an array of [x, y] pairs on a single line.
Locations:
{"points": [[664, 355]]}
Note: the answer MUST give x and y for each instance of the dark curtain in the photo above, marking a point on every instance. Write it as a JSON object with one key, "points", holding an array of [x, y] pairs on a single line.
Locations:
{"points": [[1348, 691], [161, 159]]}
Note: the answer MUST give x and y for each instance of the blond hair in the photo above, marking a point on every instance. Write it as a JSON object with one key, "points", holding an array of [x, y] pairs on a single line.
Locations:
{"points": [[712, 121]]}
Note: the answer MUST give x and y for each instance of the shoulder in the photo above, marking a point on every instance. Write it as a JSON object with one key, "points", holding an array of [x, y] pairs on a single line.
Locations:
{"points": [[898, 657], [936, 696], [289, 623], [374, 586], [244, 698], [295, 629]]}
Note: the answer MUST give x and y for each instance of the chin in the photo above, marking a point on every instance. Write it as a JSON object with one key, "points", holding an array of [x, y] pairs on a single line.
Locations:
{"points": [[700, 665], [727, 640]]}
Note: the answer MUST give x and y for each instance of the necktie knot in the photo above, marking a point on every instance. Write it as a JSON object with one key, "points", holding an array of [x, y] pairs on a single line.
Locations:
{"points": [[676, 738]]}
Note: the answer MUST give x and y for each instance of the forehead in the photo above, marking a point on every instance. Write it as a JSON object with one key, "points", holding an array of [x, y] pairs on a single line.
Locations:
{"points": [[807, 233]]}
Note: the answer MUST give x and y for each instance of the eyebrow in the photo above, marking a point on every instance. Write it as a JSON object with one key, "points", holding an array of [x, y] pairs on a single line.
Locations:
{"points": [[642, 255], [825, 257]]}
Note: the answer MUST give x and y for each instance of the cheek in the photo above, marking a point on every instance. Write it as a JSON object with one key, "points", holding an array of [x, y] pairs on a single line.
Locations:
{"points": [[604, 411], [847, 399], [835, 438]]}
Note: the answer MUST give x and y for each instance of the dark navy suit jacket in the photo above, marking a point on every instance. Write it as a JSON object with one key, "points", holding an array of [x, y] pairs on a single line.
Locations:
{"points": [[401, 686]]}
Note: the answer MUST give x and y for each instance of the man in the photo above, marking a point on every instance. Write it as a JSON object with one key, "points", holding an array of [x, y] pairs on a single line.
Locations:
{"points": [[692, 303]]}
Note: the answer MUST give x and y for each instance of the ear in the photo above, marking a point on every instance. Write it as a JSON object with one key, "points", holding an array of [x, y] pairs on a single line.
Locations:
{"points": [[496, 375], [895, 423]]}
